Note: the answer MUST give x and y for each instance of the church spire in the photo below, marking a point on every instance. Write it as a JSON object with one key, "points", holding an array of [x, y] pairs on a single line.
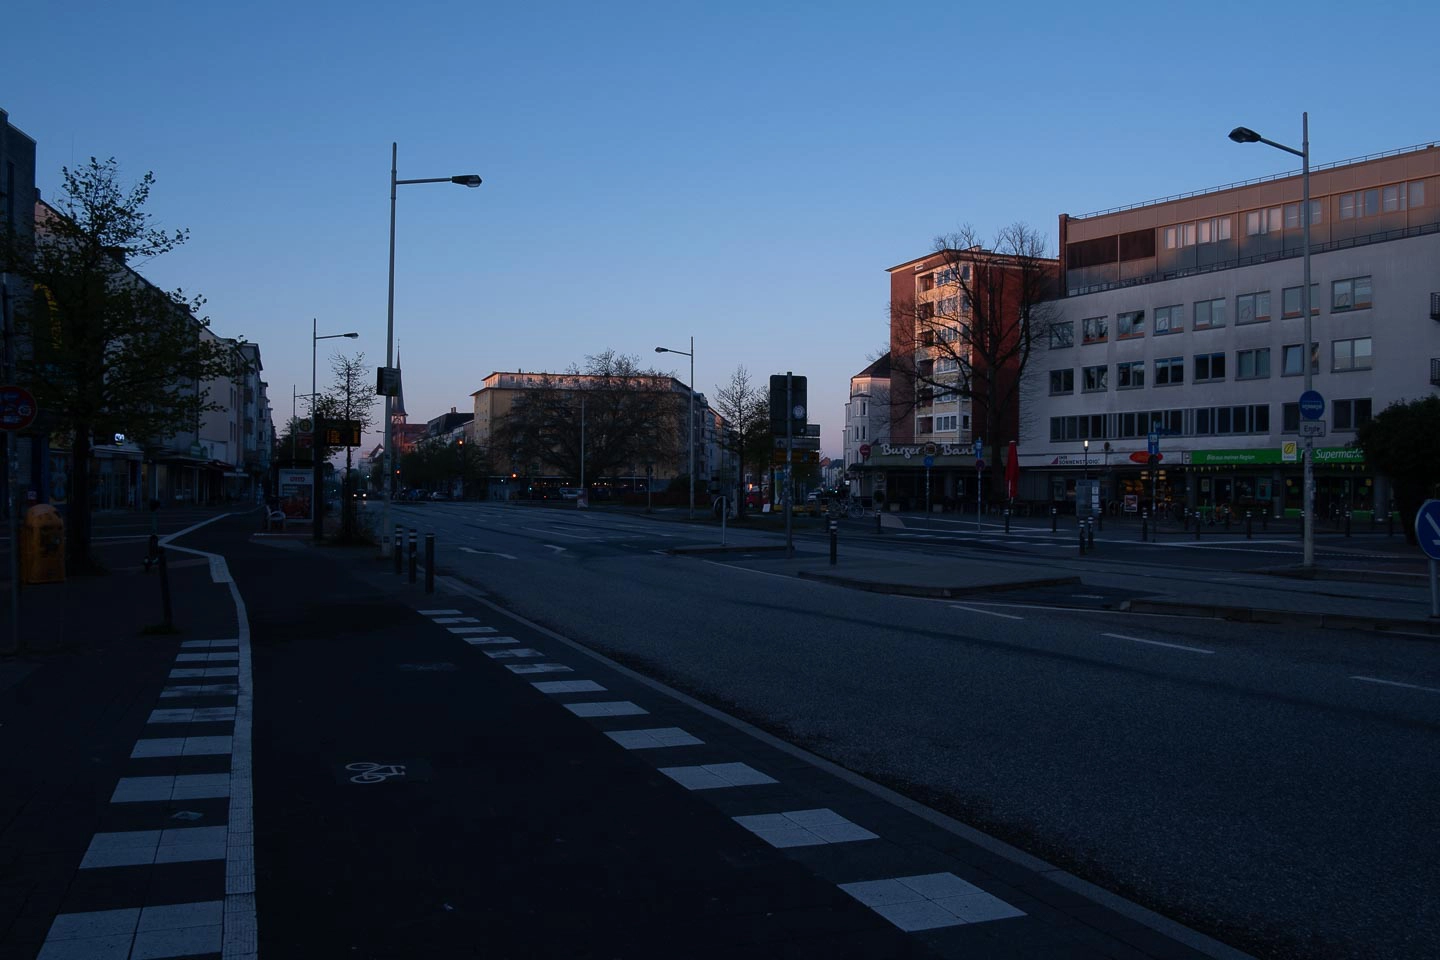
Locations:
{"points": [[397, 403]]}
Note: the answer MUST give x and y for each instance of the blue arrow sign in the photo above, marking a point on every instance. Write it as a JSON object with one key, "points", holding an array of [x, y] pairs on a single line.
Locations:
{"points": [[929, 461], [1427, 528], [1153, 442], [1312, 405], [979, 448]]}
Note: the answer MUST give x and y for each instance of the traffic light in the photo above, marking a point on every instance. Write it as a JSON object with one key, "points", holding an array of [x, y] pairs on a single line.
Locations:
{"points": [[798, 412]]}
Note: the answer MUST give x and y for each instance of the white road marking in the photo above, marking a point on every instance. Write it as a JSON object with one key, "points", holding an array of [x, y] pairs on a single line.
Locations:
{"points": [[488, 553], [1396, 683], [1087, 596], [1157, 643], [557, 549], [992, 613], [439, 613]]}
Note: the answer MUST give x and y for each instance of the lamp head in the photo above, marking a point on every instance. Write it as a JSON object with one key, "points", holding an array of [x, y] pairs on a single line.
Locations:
{"points": [[1244, 135], [1087, 446], [467, 180], [662, 349], [352, 336]]}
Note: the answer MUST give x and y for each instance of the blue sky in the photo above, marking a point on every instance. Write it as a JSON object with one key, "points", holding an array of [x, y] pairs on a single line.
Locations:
{"points": [[738, 172]]}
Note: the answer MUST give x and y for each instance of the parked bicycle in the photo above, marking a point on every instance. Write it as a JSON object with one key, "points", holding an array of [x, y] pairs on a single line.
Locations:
{"points": [[849, 507]]}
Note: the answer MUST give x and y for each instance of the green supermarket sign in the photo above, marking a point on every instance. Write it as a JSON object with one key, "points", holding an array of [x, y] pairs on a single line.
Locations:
{"points": [[1266, 456]]}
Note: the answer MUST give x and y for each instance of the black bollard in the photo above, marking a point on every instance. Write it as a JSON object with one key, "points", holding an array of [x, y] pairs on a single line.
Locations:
{"points": [[1052, 519], [412, 555], [1185, 519], [1227, 521], [1082, 539], [1197, 526], [877, 520], [164, 588], [1249, 526], [1347, 523], [1090, 526], [1007, 519], [834, 537], [399, 555], [1144, 525], [1390, 523], [1265, 521], [429, 563]]}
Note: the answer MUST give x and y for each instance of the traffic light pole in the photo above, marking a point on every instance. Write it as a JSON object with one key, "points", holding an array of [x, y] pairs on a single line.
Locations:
{"points": [[789, 450]]}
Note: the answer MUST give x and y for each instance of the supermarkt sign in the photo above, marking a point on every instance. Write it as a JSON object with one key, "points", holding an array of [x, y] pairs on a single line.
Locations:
{"points": [[1265, 457]]}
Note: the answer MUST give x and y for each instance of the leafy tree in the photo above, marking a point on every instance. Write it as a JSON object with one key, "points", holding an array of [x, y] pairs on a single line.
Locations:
{"points": [[106, 351], [746, 407], [631, 415], [1400, 443]]}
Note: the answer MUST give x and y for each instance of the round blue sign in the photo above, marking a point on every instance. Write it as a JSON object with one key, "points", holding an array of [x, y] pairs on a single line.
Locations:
{"points": [[929, 461], [1312, 405]]}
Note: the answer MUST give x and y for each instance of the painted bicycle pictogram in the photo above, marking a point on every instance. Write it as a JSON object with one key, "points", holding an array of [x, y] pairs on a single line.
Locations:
{"points": [[374, 772]]}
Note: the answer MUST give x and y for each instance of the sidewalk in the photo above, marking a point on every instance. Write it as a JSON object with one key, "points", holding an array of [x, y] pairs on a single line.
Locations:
{"points": [[90, 865], [437, 778]]}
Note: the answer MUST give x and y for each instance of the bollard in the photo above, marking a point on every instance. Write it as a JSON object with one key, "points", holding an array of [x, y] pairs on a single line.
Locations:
{"points": [[1197, 526], [1390, 523], [834, 536], [1347, 523], [429, 563], [1249, 526], [1185, 519], [1090, 526], [1227, 520], [1007, 519], [1100, 519], [1052, 519], [877, 520], [1265, 521], [395, 548], [1144, 525], [1082, 539], [164, 588], [412, 555]]}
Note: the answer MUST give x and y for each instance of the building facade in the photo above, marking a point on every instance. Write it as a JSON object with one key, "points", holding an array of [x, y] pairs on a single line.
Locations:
{"points": [[1182, 319], [867, 426]]}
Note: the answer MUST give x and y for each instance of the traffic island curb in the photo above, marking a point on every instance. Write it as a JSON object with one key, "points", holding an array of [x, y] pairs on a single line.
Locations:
{"points": [[1347, 576], [1296, 618], [766, 548], [915, 590]]}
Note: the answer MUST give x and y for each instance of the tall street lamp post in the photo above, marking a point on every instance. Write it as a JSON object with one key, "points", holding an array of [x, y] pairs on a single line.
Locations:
{"points": [[691, 355], [316, 494], [464, 180], [1246, 135]]}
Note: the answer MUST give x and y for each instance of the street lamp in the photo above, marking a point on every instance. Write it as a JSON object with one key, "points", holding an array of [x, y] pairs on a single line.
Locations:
{"points": [[1246, 135], [315, 494], [691, 355], [465, 180]]}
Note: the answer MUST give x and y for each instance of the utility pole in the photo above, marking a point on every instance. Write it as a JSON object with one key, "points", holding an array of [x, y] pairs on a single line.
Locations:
{"points": [[789, 449]]}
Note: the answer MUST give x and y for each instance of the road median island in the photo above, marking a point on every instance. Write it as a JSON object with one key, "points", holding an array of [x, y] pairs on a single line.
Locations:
{"points": [[935, 590], [733, 548], [1299, 618]]}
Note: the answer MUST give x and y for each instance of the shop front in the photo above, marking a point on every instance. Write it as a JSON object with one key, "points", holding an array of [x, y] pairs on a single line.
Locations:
{"points": [[933, 477], [1272, 480]]}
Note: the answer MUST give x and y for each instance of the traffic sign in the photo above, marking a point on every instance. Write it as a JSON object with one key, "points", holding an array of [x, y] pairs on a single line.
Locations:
{"points": [[17, 408], [929, 461], [864, 451], [799, 443], [979, 464], [1153, 443], [1427, 528], [979, 450], [1312, 428], [1312, 405]]}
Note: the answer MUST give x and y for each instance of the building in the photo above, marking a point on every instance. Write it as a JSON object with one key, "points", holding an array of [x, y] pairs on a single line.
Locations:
{"points": [[963, 322], [18, 197], [497, 396], [1182, 317], [449, 427], [867, 425]]}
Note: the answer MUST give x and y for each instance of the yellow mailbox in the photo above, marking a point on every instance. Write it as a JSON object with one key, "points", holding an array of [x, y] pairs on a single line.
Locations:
{"points": [[42, 545]]}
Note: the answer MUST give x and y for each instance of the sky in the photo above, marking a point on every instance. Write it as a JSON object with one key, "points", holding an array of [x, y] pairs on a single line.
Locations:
{"points": [[742, 173]]}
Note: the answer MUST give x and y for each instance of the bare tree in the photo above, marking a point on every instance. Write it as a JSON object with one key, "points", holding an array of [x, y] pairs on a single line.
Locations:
{"points": [[631, 415], [350, 398], [974, 334], [746, 407]]}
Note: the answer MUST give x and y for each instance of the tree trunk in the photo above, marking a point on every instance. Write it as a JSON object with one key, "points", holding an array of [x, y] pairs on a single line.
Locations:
{"points": [[78, 521]]}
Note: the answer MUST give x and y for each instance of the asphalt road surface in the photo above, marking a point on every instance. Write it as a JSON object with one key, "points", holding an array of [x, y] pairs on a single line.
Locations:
{"points": [[1272, 787]]}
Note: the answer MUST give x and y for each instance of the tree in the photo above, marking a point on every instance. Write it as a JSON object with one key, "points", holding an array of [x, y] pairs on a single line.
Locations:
{"points": [[746, 407], [631, 415], [974, 336], [1400, 443], [107, 352]]}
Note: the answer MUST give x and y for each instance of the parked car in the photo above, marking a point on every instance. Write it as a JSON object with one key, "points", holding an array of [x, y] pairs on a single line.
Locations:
{"points": [[569, 493]]}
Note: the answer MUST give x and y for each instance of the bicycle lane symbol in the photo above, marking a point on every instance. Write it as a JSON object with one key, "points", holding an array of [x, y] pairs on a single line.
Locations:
{"points": [[365, 772]]}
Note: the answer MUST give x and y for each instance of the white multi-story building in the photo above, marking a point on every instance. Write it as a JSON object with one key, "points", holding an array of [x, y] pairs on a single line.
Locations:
{"points": [[867, 422], [1183, 317]]}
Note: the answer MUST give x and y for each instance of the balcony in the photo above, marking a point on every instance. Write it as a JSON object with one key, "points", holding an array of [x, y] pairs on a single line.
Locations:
{"points": [[1435, 306], [1435, 372]]}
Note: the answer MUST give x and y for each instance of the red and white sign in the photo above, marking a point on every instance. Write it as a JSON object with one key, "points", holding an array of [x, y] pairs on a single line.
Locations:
{"points": [[17, 408], [1140, 456], [864, 451]]}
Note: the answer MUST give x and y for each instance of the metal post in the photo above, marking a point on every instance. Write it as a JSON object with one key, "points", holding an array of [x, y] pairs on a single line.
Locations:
{"points": [[1389, 523], [692, 426], [834, 537], [927, 490], [1053, 514], [1081, 529], [1007, 519], [1309, 517], [396, 551], [724, 509], [1144, 525], [429, 563], [412, 555], [1197, 525], [878, 528], [789, 447], [1434, 591], [979, 499], [1347, 523], [1227, 519], [1090, 528], [388, 490], [1249, 526], [165, 588]]}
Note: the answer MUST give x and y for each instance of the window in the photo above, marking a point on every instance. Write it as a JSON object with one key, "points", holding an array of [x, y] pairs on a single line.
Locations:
{"points": [[1352, 294], [1291, 306], [1352, 414], [1392, 198], [924, 424], [1169, 238], [1130, 324], [1209, 366], [1347, 211], [947, 334], [1227, 420], [1290, 359], [1209, 313], [946, 365], [1262, 221], [1351, 354], [1252, 364], [1372, 202], [1169, 319], [1252, 307], [1289, 418], [1078, 428], [945, 424], [1417, 193], [1095, 329], [1062, 381], [1169, 371], [1062, 334], [1095, 378], [1214, 229], [1130, 376], [1292, 215]]}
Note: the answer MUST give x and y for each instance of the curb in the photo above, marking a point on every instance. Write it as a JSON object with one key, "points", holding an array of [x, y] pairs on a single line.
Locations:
{"points": [[911, 590], [766, 548], [1348, 576], [1326, 621]]}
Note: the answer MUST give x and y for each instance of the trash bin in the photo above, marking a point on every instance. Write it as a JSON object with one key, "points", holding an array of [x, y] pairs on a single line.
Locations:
{"points": [[42, 545]]}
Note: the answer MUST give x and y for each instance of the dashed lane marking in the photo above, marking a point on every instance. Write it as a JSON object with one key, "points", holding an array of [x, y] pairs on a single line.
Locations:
{"points": [[1397, 683], [991, 613], [1157, 643]]}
